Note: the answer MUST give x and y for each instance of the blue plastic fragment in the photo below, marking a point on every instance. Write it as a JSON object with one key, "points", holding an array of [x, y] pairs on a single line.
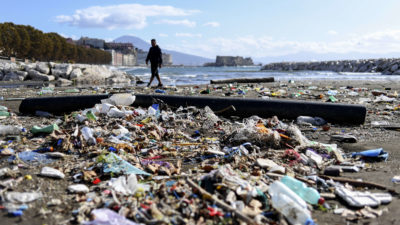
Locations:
{"points": [[16, 213], [373, 153], [160, 91], [31, 157], [155, 106], [114, 164]]}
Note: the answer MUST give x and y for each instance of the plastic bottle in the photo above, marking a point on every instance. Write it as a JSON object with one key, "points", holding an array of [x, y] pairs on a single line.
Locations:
{"points": [[88, 135], [308, 194], [282, 200], [9, 130]]}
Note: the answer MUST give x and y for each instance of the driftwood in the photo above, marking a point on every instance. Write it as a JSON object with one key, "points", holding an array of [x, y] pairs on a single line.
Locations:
{"points": [[243, 80], [220, 203]]}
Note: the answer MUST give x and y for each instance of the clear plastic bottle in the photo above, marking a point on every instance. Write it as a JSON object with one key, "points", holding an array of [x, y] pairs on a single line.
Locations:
{"points": [[88, 135], [308, 194], [9, 130], [282, 201]]}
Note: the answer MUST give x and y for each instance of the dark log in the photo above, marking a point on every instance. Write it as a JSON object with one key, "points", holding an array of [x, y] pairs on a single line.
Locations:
{"points": [[245, 107], [243, 80]]}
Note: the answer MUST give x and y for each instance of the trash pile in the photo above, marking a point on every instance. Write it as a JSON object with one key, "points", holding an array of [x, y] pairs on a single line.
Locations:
{"points": [[117, 164]]}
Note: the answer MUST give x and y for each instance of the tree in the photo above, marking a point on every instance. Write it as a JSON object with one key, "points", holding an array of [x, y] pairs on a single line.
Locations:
{"points": [[10, 39], [25, 45]]}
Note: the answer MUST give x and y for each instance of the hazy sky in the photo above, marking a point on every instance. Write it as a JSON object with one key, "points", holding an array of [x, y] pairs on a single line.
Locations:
{"points": [[255, 28]]}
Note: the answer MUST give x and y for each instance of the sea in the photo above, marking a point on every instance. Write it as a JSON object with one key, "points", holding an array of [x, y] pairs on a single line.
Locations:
{"points": [[191, 75]]}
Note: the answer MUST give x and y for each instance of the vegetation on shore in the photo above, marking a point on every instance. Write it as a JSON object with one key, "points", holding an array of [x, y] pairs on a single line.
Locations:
{"points": [[27, 42]]}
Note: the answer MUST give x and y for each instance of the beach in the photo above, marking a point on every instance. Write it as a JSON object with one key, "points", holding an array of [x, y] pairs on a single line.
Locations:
{"points": [[368, 137]]}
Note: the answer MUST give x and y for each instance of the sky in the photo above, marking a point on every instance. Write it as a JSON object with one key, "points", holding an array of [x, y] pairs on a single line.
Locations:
{"points": [[251, 28]]}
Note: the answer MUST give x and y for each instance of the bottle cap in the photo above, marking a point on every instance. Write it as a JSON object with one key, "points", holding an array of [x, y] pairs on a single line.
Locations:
{"points": [[321, 201]]}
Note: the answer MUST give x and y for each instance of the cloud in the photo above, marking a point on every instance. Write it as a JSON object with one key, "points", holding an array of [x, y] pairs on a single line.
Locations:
{"points": [[163, 35], [188, 35], [185, 22], [126, 16], [332, 32], [211, 24], [381, 42]]}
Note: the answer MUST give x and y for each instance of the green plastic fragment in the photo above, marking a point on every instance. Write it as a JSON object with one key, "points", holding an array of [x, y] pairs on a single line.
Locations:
{"points": [[47, 130]]}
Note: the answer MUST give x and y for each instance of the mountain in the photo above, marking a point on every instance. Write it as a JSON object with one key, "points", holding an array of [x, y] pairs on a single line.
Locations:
{"points": [[178, 58], [312, 56]]}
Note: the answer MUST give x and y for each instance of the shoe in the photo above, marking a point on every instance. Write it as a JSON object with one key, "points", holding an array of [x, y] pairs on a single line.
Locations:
{"points": [[160, 85]]}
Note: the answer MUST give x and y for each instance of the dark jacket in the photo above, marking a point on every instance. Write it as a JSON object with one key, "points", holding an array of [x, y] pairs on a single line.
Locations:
{"points": [[154, 55]]}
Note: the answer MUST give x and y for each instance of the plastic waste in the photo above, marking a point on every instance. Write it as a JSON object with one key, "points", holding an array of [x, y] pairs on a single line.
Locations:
{"points": [[317, 159], [316, 121], [378, 153], [125, 185], [9, 130], [114, 164], [43, 114], [384, 98], [3, 108], [4, 171], [90, 115], [344, 138], [361, 199], [87, 133], [51, 172], [120, 99], [48, 130], [4, 114], [22, 197], [78, 188], [395, 179], [31, 157], [160, 91], [308, 194], [105, 108], [379, 123], [108, 217], [289, 204], [211, 118]]}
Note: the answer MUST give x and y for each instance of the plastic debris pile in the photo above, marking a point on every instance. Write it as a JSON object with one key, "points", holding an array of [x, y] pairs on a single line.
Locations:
{"points": [[123, 165]]}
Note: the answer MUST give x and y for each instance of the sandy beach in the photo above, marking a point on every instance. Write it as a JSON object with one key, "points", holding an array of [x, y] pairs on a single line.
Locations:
{"points": [[367, 136]]}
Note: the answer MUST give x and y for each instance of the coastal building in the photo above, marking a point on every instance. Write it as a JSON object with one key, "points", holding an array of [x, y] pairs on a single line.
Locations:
{"points": [[116, 57], [125, 48], [128, 60], [92, 42]]}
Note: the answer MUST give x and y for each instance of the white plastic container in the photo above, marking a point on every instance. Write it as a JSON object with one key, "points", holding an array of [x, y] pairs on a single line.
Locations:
{"points": [[87, 133]]}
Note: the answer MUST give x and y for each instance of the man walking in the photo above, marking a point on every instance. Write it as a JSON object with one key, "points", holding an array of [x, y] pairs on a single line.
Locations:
{"points": [[155, 57]]}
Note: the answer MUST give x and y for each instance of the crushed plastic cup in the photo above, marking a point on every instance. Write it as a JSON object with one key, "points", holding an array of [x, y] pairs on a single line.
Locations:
{"points": [[22, 197], [108, 217]]}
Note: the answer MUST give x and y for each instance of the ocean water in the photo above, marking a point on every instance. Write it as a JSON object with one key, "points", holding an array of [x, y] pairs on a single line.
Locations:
{"points": [[203, 75]]}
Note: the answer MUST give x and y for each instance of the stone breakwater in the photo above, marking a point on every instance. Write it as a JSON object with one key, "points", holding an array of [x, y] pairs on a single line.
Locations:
{"points": [[384, 66], [62, 73]]}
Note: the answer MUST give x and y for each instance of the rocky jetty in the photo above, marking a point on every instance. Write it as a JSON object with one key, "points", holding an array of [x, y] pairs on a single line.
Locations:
{"points": [[384, 66], [62, 73], [231, 61]]}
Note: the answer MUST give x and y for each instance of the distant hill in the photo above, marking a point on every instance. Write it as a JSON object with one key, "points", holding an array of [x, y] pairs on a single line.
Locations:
{"points": [[178, 58]]}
